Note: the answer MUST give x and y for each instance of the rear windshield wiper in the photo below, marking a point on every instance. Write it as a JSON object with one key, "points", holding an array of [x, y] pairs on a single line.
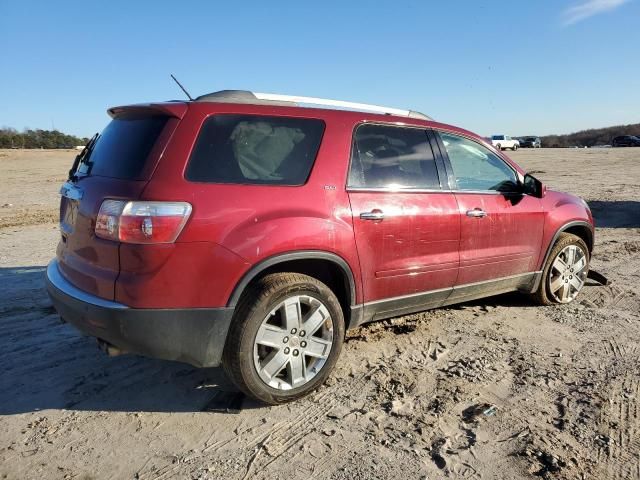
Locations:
{"points": [[82, 157]]}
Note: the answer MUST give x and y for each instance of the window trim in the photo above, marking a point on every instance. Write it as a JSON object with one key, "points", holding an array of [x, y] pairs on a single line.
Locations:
{"points": [[206, 118], [445, 155], [442, 176]]}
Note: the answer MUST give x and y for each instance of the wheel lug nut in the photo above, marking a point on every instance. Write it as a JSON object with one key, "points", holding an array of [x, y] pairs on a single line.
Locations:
{"points": [[285, 339], [293, 331], [295, 353], [302, 333], [286, 351], [303, 344]]}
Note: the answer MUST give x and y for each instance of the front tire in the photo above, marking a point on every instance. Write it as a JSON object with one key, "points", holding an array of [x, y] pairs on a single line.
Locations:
{"points": [[285, 338], [565, 272], [515, 147]]}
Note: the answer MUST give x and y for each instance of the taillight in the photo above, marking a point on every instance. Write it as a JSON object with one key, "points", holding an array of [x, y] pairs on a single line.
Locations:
{"points": [[141, 222]]}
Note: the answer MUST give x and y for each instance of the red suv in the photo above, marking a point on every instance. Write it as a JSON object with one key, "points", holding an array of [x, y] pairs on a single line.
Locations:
{"points": [[247, 230]]}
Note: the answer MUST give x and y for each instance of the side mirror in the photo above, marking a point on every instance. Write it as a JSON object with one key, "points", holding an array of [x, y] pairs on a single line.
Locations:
{"points": [[534, 187]]}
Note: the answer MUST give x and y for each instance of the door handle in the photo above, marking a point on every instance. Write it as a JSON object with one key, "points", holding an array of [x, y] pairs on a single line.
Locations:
{"points": [[372, 215], [477, 213]]}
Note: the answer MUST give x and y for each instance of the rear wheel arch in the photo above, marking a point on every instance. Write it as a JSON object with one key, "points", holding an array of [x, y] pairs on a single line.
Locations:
{"points": [[327, 267]]}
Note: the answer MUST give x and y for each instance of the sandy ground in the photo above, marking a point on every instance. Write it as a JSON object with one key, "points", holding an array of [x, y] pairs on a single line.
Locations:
{"points": [[497, 388]]}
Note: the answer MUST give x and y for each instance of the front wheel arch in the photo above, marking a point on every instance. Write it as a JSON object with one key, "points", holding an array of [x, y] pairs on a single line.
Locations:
{"points": [[580, 229]]}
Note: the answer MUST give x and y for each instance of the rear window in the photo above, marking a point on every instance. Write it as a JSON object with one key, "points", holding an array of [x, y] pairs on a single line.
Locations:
{"points": [[498, 137], [386, 156], [123, 147], [251, 149]]}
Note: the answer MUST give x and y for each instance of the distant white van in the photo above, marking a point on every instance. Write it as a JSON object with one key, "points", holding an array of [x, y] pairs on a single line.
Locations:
{"points": [[502, 142]]}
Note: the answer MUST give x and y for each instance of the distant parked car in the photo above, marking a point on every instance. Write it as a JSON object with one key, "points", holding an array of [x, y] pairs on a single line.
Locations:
{"points": [[626, 141], [530, 142], [502, 142]]}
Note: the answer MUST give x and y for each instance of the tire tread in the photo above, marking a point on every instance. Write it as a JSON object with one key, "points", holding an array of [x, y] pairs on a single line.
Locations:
{"points": [[252, 299]]}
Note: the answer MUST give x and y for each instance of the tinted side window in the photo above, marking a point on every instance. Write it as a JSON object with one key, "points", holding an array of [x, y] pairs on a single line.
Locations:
{"points": [[252, 149], [476, 168], [389, 156], [123, 146]]}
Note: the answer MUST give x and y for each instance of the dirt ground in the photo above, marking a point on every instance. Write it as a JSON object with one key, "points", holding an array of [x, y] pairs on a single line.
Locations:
{"points": [[497, 388]]}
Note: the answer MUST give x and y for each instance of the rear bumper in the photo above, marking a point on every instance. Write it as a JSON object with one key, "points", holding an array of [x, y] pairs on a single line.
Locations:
{"points": [[196, 336]]}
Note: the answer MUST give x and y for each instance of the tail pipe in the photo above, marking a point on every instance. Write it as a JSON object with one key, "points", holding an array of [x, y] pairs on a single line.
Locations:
{"points": [[109, 349]]}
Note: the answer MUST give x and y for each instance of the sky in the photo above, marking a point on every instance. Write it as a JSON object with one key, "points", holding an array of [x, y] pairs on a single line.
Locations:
{"points": [[511, 67]]}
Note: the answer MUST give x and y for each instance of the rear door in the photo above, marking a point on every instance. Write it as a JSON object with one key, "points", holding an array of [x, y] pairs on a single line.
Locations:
{"points": [[501, 229], [117, 165], [406, 227]]}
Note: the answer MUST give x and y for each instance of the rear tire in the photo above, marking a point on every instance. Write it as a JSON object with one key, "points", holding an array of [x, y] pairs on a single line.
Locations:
{"points": [[499, 147], [285, 338], [565, 272]]}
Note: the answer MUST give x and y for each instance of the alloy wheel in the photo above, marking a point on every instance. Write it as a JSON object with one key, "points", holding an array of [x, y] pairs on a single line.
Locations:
{"points": [[568, 273], [293, 342]]}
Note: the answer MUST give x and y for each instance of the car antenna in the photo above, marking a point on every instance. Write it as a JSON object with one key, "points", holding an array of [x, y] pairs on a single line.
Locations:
{"points": [[183, 89]]}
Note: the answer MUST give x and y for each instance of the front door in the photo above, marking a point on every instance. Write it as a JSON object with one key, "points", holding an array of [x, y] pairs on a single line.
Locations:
{"points": [[501, 228], [407, 229]]}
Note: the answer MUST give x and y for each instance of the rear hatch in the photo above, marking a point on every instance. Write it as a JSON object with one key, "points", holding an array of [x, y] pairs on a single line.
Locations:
{"points": [[116, 164]]}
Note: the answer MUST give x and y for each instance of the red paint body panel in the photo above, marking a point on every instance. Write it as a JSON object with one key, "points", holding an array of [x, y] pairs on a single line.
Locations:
{"points": [[424, 243], [256, 221], [414, 249], [180, 275], [561, 209], [89, 262], [506, 242]]}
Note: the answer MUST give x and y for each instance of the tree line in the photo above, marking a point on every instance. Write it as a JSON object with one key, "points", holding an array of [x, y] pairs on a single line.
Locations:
{"points": [[590, 138], [11, 138]]}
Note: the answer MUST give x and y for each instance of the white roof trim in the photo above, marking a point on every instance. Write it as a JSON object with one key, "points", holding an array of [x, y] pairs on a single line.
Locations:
{"points": [[335, 103]]}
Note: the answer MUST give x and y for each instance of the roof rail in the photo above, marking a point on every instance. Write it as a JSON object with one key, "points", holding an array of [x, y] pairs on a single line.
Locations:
{"points": [[244, 96]]}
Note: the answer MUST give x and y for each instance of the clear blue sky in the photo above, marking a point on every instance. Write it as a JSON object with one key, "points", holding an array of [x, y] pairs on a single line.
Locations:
{"points": [[516, 67]]}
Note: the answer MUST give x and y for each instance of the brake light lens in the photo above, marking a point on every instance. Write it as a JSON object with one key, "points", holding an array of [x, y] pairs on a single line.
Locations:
{"points": [[141, 222]]}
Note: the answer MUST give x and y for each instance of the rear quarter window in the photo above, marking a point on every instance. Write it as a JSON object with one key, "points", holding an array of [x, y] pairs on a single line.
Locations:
{"points": [[122, 148], [252, 149]]}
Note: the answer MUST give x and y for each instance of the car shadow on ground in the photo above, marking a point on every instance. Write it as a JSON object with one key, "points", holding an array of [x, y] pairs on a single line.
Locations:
{"points": [[511, 299], [48, 364], [616, 214]]}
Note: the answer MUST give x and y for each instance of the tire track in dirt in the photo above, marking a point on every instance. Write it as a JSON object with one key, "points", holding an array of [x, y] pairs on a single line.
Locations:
{"points": [[611, 296], [619, 449], [267, 452], [281, 440]]}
